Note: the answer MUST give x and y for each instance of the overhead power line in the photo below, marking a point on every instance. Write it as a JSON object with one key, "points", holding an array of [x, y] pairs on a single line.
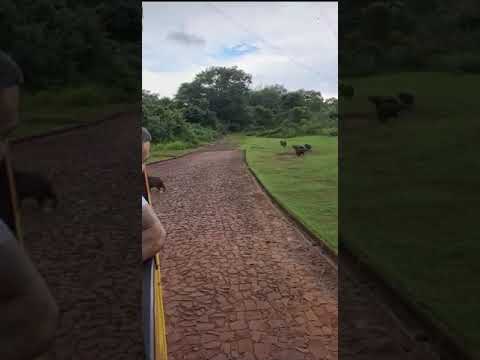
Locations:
{"points": [[258, 37], [329, 25]]}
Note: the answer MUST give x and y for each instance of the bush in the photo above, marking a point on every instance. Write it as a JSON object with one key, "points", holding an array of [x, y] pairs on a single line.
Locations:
{"points": [[203, 134], [176, 145], [82, 96], [329, 132]]}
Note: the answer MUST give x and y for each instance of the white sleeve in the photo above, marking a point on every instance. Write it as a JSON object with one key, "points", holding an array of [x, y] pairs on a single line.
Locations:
{"points": [[144, 202]]}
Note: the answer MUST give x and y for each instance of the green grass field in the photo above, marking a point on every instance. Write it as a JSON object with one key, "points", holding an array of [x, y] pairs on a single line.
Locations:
{"points": [[306, 186], [49, 110], [35, 123], [170, 150], [407, 195]]}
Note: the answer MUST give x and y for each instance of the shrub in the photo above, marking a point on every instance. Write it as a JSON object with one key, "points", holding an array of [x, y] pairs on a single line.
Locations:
{"points": [[176, 145], [82, 96]]}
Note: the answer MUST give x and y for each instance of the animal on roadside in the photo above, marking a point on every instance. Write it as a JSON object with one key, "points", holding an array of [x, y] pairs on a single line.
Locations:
{"points": [[406, 98], [346, 91], [300, 150], [34, 186], [386, 107], [156, 183], [283, 143]]}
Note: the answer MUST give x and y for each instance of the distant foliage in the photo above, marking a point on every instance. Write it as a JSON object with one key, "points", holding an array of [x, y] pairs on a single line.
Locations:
{"points": [[220, 100], [408, 35], [167, 122], [63, 43]]}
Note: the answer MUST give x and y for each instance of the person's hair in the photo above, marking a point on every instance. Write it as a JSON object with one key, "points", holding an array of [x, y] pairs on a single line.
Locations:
{"points": [[10, 73], [146, 137]]}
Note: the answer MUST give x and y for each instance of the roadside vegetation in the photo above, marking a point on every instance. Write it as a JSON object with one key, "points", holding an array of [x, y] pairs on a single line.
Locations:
{"points": [[306, 186], [220, 101], [78, 59]]}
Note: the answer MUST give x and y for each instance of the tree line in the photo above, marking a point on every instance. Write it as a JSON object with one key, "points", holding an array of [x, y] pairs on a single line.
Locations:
{"points": [[220, 100], [408, 35], [60, 43]]}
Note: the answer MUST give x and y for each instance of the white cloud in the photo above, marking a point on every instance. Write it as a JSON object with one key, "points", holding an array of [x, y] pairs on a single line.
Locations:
{"points": [[301, 49]]}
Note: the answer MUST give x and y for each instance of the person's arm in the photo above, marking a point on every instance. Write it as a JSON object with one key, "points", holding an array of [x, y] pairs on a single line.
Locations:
{"points": [[153, 233], [145, 151], [9, 100], [28, 312], [11, 77]]}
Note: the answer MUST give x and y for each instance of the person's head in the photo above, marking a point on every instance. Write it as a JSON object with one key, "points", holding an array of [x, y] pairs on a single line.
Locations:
{"points": [[146, 139], [10, 78]]}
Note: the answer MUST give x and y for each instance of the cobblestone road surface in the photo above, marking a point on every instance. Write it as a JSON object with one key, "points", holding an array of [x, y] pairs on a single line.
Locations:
{"points": [[240, 282]]}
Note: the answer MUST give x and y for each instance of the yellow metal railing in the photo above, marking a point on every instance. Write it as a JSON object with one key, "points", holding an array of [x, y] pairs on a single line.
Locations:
{"points": [[160, 335], [160, 330]]}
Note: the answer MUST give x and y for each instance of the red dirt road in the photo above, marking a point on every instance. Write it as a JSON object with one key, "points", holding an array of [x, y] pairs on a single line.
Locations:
{"points": [[239, 280]]}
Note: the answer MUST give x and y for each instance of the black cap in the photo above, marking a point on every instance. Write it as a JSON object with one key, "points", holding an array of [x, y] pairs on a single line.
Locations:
{"points": [[10, 72]]}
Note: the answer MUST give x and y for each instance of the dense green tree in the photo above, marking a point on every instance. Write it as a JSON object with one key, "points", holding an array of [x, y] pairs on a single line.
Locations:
{"points": [[220, 100], [298, 113], [70, 43], [269, 97], [226, 92], [263, 116], [408, 35], [292, 99]]}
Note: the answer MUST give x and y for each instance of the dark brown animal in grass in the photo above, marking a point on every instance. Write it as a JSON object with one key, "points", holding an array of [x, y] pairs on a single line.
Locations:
{"points": [[300, 150], [156, 183], [283, 143], [34, 186], [308, 147], [406, 98], [386, 107]]}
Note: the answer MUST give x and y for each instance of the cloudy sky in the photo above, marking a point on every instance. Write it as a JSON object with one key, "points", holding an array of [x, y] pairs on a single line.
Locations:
{"points": [[288, 43]]}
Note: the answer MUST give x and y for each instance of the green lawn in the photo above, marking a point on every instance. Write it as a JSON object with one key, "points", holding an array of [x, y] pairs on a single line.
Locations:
{"points": [[53, 109], [407, 195], [163, 151], [306, 186], [43, 121]]}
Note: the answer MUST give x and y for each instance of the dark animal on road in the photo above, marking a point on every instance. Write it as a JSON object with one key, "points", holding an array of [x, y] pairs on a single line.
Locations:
{"points": [[406, 98], [156, 183], [299, 150], [34, 186], [283, 143], [386, 107], [346, 91]]}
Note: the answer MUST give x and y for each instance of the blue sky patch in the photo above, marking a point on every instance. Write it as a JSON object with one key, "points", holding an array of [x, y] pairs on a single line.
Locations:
{"points": [[236, 51]]}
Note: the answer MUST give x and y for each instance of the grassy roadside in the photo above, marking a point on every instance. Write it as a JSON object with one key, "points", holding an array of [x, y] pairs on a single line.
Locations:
{"points": [[307, 186], [54, 109], [163, 151], [44, 122], [406, 195]]}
